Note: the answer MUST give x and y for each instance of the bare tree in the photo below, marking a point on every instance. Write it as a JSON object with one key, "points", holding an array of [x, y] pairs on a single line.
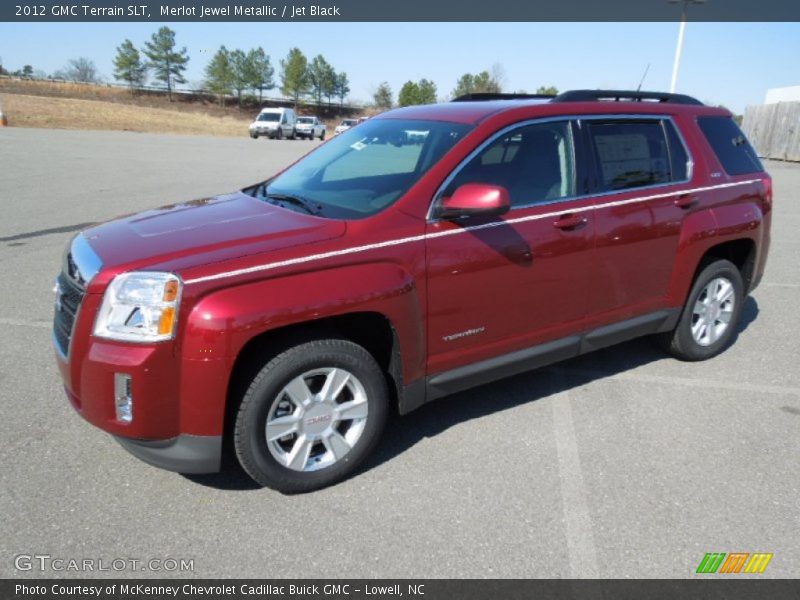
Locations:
{"points": [[80, 69]]}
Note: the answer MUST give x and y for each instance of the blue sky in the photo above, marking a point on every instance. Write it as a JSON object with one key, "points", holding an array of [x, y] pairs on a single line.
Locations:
{"points": [[723, 63]]}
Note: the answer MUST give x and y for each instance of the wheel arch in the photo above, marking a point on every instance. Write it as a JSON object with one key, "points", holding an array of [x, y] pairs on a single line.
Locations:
{"points": [[741, 252], [731, 232], [375, 304], [374, 331]]}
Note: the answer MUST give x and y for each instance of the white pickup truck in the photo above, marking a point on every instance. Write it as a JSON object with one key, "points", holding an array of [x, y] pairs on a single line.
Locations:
{"points": [[310, 127]]}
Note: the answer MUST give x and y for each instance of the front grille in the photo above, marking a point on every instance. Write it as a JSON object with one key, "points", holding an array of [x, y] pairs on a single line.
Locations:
{"points": [[69, 296]]}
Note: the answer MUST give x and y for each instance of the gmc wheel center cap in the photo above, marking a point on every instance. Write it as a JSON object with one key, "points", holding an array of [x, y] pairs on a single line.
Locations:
{"points": [[714, 311], [317, 419]]}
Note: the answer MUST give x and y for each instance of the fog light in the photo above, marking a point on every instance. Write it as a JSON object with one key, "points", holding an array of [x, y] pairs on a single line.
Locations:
{"points": [[123, 401]]}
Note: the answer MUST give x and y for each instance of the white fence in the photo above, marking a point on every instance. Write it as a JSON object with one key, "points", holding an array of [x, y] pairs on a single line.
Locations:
{"points": [[774, 130]]}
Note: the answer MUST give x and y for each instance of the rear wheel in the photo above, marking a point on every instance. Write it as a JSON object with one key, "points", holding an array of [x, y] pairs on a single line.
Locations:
{"points": [[322, 135], [293, 135], [311, 416], [710, 317]]}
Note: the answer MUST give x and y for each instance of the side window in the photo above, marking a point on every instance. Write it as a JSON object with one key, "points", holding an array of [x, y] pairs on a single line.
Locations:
{"points": [[534, 163], [730, 145], [630, 154]]}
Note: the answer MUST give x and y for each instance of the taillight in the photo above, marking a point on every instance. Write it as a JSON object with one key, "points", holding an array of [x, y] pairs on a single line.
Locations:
{"points": [[767, 181]]}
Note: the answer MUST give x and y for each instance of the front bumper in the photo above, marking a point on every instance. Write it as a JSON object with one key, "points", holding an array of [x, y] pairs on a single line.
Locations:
{"points": [[183, 454], [174, 394], [268, 132]]}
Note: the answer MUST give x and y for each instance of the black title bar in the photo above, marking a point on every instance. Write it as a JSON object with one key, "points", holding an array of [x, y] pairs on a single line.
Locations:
{"points": [[400, 10]]}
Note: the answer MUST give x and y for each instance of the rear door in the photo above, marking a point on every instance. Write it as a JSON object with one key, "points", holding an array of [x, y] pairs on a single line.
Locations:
{"points": [[641, 174], [500, 284]]}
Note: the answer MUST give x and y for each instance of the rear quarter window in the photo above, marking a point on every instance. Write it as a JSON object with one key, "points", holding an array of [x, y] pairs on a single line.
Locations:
{"points": [[734, 152], [630, 154]]}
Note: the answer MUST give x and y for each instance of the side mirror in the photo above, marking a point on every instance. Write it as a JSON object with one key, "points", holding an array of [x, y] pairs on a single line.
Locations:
{"points": [[475, 199]]}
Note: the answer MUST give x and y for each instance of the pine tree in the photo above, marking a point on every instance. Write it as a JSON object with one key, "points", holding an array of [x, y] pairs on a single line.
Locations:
{"points": [[128, 65], [427, 91], [383, 96], [342, 88], [219, 74], [320, 75], [242, 73], [262, 71], [483, 82], [409, 94], [167, 63], [294, 75]]}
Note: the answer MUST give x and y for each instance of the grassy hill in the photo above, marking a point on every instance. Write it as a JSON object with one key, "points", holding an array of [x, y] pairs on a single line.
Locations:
{"points": [[60, 105]]}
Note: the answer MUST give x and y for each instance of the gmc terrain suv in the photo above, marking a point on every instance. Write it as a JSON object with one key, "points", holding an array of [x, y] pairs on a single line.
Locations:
{"points": [[429, 249]]}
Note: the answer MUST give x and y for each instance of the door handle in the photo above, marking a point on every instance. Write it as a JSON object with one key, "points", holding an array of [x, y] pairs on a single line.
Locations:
{"points": [[686, 201], [570, 221]]}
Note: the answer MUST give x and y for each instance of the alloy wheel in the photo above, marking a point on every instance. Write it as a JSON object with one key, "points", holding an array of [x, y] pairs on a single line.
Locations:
{"points": [[713, 311], [316, 419]]}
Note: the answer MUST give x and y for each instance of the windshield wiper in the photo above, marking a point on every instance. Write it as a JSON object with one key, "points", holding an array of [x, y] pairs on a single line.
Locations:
{"points": [[312, 208]]}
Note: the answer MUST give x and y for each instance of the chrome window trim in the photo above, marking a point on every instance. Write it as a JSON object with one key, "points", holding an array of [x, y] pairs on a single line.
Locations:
{"points": [[572, 119]]}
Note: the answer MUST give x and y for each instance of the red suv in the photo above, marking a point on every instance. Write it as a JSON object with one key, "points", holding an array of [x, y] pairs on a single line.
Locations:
{"points": [[429, 249]]}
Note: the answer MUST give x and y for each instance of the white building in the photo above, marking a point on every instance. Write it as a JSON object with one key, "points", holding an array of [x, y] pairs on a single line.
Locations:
{"points": [[783, 94]]}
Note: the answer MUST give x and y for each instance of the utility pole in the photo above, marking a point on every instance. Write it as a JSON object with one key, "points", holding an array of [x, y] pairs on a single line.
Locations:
{"points": [[681, 32]]}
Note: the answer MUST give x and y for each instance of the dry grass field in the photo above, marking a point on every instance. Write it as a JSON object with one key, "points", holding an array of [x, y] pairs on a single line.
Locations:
{"points": [[61, 105], [70, 113], [56, 105]]}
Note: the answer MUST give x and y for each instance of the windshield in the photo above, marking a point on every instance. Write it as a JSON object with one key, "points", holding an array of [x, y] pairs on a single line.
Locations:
{"points": [[305, 120], [269, 117], [363, 170]]}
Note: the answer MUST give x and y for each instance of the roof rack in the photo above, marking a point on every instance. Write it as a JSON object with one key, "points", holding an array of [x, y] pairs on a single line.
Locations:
{"points": [[482, 96], [624, 96]]}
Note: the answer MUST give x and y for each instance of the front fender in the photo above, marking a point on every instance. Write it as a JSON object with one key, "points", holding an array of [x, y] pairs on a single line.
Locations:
{"points": [[221, 323]]}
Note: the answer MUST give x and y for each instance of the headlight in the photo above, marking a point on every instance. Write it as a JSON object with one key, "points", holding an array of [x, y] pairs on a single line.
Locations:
{"points": [[140, 307]]}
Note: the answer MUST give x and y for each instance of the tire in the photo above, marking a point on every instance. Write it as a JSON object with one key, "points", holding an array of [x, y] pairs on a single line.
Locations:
{"points": [[322, 135], [279, 134], [700, 333], [254, 136], [294, 135], [289, 393]]}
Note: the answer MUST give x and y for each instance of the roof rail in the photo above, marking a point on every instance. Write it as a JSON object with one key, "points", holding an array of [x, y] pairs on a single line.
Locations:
{"points": [[482, 96], [624, 96]]}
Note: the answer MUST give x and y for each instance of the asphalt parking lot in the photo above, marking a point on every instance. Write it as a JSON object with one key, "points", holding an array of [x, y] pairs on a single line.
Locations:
{"points": [[622, 463]]}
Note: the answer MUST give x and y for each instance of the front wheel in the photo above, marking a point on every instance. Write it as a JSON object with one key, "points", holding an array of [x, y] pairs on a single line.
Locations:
{"points": [[311, 416], [710, 317], [254, 136]]}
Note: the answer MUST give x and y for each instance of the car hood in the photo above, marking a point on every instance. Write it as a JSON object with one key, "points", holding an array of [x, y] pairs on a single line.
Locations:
{"points": [[204, 231]]}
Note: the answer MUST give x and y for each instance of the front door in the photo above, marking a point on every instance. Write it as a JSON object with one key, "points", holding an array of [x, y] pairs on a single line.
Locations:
{"points": [[501, 284]]}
